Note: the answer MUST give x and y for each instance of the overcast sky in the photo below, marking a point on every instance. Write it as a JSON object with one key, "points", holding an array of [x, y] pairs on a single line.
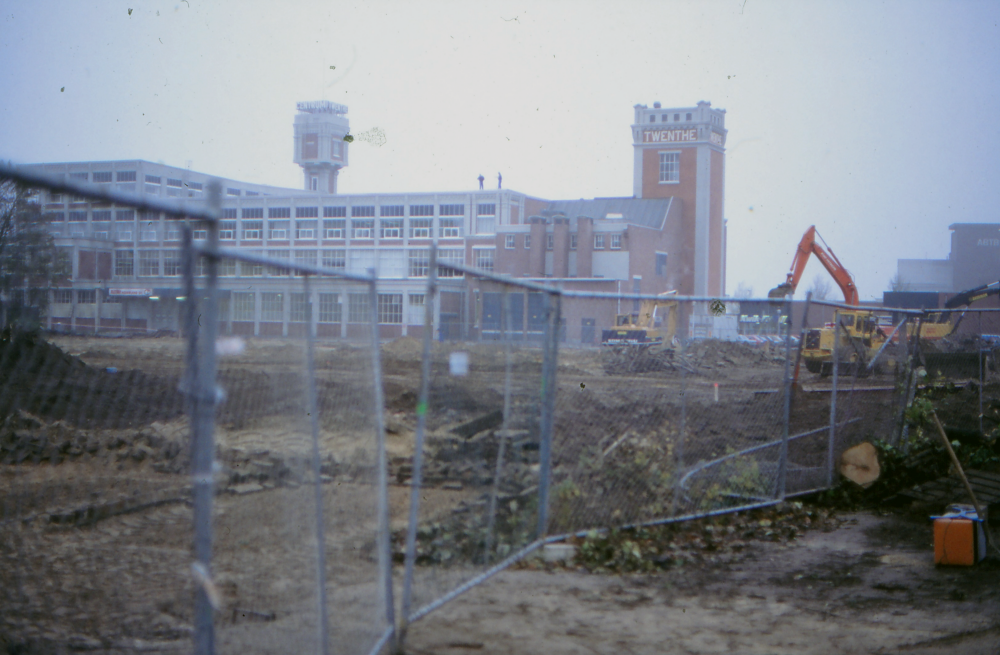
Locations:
{"points": [[875, 121]]}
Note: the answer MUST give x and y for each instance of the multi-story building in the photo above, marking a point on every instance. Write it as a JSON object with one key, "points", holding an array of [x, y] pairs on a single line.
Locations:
{"points": [[127, 268]]}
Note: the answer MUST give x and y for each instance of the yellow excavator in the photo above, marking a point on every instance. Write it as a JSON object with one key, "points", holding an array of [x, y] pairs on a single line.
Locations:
{"points": [[643, 340]]}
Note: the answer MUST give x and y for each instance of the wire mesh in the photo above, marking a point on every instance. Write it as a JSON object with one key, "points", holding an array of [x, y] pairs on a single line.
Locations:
{"points": [[478, 500]]}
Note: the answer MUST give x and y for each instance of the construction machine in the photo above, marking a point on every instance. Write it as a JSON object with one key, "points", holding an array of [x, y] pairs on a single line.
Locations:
{"points": [[642, 340], [808, 246], [867, 335]]}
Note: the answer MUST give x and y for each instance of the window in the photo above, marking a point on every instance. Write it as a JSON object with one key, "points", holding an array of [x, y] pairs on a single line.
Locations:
{"points": [[315, 184], [195, 187], [486, 209], [102, 177], [421, 210], [227, 230], [278, 229], [452, 210], [390, 308], [416, 312], [298, 308], [333, 229], [227, 267], [450, 227], [550, 241], [572, 241], [334, 259], [687, 117], [310, 146], [277, 270], [334, 212], [357, 308], [329, 308], [174, 182], [78, 216], [124, 234], [509, 242], [306, 212], [661, 264], [363, 229], [616, 241], [391, 210], [148, 233], [153, 179], [305, 258], [62, 296], [363, 211], [228, 213], [670, 167], [253, 193], [232, 192], [272, 307], [149, 263], [252, 230], [484, 258], [249, 269], [420, 228], [420, 262], [279, 212], [124, 263], [598, 241], [485, 224], [253, 212], [104, 215], [391, 228], [87, 296], [451, 256], [199, 235], [664, 118], [527, 242], [125, 215], [243, 306], [79, 177], [652, 118], [125, 176], [677, 117], [305, 229], [171, 262], [391, 263]]}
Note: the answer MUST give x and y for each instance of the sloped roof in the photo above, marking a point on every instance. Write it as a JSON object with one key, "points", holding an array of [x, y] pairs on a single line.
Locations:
{"points": [[647, 212]]}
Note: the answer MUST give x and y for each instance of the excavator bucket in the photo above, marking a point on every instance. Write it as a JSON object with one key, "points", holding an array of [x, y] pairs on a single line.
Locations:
{"points": [[780, 291]]}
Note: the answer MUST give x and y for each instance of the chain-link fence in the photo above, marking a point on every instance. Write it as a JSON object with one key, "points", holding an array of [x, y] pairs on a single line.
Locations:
{"points": [[318, 489]]}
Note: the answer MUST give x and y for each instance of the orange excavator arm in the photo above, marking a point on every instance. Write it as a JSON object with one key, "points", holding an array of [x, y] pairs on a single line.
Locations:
{"points": [[808, 246]]}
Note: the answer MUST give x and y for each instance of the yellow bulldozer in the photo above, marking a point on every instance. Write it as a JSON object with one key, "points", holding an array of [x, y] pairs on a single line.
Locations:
{"points": [[643, 340]]}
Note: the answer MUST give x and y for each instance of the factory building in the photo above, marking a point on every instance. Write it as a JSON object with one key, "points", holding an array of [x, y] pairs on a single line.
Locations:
{"points": [[670, 235]]}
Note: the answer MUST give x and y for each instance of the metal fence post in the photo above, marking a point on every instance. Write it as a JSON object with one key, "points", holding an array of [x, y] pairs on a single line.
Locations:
{"points": [[549, 362], [980, 343], [418, 447], [203, 441], [505, 331], [833, 403], [324, 632], [679, 452], [383, 539], [783, 457]]}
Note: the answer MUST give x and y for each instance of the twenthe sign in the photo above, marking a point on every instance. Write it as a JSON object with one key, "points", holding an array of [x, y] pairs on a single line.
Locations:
{"points": [[669, 136]]}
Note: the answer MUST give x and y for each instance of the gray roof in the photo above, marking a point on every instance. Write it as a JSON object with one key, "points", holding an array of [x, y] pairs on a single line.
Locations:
{"points": [[647, 212]]}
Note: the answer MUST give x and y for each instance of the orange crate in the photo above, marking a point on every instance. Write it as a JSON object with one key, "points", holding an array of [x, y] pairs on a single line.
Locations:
{"points": [[958, 541]]}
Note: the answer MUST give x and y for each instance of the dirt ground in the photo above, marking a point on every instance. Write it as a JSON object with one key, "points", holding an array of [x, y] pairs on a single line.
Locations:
{"points": [[95, 515]]}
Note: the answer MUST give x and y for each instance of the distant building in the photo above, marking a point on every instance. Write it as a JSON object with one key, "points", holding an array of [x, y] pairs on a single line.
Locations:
{"points": [[127, 267], [974, 260]]}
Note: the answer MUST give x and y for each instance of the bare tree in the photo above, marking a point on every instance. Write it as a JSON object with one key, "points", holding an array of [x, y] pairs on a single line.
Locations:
{"points": [[743, 291], [896, 283], [29, 260], [820, 288]]}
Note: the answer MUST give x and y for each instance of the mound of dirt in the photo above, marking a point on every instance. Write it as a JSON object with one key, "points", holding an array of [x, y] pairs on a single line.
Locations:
{"points": [[715, 353], [40, 378]]}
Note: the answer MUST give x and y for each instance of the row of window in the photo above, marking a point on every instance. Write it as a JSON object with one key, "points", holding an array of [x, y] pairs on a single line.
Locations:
{"points": [[389, 307], [391, 263], [664, 118], [615, 241]]}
